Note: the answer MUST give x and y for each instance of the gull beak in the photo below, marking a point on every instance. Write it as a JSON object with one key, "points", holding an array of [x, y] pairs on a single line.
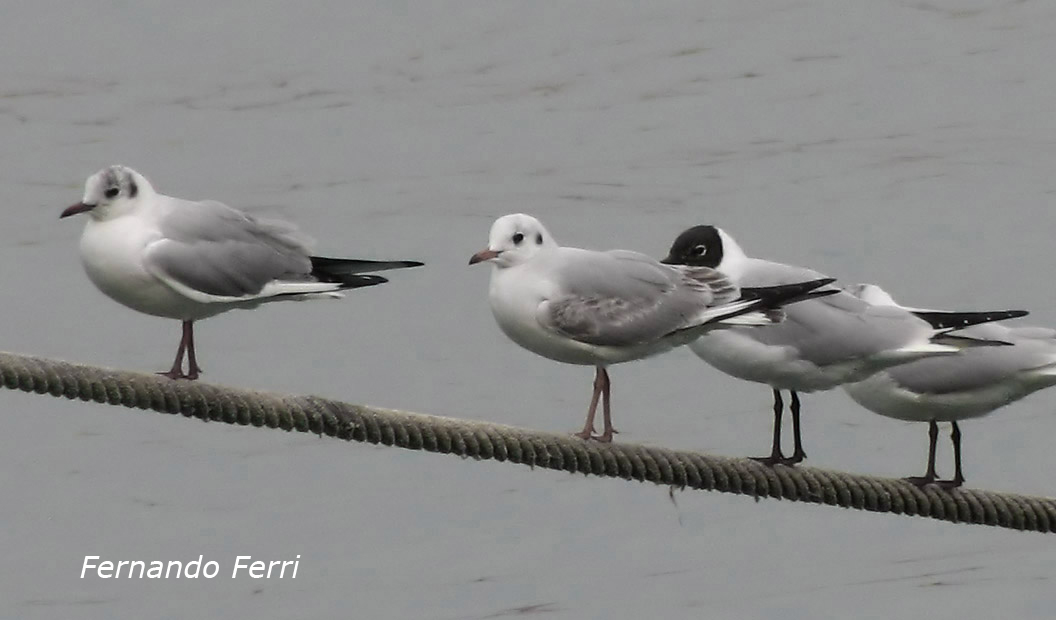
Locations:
{"points": [[80, 207], [482, 256], [669, 260]]}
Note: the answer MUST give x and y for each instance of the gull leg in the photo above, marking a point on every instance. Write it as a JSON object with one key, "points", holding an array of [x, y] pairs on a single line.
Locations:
{"points": [[192, 362], [588, 428], [958, 476], [929, 476], [775, 452], [607, 431], [798, 455], [177, 366]]}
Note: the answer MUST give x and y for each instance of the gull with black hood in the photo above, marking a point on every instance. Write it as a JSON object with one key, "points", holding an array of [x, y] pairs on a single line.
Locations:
{"points": [[823, 342]]}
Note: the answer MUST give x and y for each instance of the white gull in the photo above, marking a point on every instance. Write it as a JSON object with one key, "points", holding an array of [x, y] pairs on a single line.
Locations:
{"points": [[188, 260], [601, 308]]}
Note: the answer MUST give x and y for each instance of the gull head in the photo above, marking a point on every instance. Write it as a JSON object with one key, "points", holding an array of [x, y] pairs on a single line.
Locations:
{"points": [[699, 246], [111, 192], [871, 294], [707, 246], [514, 239]]}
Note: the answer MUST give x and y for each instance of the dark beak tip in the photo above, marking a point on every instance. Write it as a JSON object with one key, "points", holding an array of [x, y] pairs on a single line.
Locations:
{"points": [[74, 209], [482, 256]]}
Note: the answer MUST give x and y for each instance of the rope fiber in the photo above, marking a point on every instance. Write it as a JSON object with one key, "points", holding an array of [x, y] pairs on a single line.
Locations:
{"points": [[482, 440]]}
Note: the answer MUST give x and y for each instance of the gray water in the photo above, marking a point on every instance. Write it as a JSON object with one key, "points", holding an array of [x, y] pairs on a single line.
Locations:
{"points": [[906, 143]]}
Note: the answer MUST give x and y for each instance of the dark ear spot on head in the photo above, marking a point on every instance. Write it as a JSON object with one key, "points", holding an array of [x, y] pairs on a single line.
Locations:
{"points": [[539, 239], [133, 189]]}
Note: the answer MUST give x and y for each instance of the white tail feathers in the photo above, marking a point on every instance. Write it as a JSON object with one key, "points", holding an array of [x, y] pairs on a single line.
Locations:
{"points": [[727, 313], [280, 287], [915, 352], [750, 319], [1046, 371], [309, 296]]}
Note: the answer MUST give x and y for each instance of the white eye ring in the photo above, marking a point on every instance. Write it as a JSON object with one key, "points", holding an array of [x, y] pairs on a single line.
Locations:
{"points": [[700, 250]]}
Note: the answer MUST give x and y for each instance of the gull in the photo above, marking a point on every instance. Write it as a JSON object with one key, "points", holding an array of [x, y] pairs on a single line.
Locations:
{"points": [[601, 308], [188, 260], [823, 342], [968, 385]]}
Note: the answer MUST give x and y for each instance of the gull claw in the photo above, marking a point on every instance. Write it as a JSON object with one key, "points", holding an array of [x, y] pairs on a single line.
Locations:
{"points": [[920, 481], [771, 461]]}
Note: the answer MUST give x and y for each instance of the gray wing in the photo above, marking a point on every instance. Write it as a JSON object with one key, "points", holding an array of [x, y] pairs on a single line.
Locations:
{"points": [[998, 331], [622, 298], [834, 328], [214, 249], [974, 368], [758, 272]]}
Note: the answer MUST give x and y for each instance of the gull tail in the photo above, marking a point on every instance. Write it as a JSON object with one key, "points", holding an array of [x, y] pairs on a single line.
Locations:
{"points": [[939, 319], [746, 312], [940, 345], [1047, 374], [913, 352], [351, 272], [749, 319]]}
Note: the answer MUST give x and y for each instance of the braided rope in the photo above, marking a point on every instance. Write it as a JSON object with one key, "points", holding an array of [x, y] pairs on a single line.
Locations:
{"points": [[482, 440]]}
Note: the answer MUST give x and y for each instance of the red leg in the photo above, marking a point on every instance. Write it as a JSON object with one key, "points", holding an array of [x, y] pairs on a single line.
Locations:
{"points": [[588, 428], [608, 430], [192, 362], [186, 345], [177, 366]]}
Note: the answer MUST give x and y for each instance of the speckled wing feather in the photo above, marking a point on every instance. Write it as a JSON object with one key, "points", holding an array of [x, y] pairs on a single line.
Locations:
{"points": [[622, 298]]}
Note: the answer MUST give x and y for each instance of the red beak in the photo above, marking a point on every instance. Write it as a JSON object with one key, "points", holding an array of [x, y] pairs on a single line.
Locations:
{"points": [[80, 207], [482, 256]]}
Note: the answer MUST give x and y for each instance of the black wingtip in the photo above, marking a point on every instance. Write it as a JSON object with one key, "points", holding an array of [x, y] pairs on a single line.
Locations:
{"points": [[819, 294], [955, 339], [322, 265], [776, 296], [959, 320]]}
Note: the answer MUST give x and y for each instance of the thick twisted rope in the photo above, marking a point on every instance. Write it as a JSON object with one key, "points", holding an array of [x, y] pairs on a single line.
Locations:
{"points": [[482, 440]]}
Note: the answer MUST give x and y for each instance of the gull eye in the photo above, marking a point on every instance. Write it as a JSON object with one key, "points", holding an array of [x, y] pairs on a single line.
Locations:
{"points": [[539, 239], [112, 192], [517, 238], [699, 250]]}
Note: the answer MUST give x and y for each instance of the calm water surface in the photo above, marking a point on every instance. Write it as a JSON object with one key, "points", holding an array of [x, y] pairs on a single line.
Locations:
{"points": [[906, 143]]}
